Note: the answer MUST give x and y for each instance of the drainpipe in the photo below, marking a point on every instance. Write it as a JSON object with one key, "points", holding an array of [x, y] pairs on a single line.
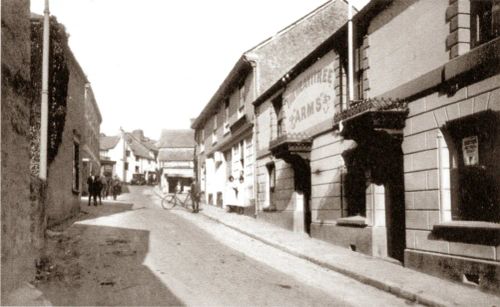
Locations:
{"points": [[350, 54], [252, 58], [45, 93]]}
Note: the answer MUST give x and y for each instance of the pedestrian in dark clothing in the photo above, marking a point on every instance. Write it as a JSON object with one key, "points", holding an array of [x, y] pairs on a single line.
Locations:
{"points": [[92, 186], [115, 186], [195, 196], [98, 189]]}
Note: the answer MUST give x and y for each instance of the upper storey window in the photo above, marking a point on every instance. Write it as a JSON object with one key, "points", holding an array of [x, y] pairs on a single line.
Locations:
{"points": [[242, 99], [485, 21]]}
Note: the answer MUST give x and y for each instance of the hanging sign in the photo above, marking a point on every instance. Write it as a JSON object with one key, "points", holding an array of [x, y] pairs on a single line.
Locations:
{"points": [[470, 149]]}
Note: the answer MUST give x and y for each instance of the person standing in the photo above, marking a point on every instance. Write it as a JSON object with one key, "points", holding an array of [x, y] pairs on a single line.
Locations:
{"points": [[195, 195], [115, 186], [230, 199], [97, 189], [91, 189], [104, 190], [241, 195]]}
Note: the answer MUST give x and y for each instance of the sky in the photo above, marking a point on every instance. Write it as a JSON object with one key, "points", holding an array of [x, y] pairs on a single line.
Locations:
{"points": [[154, 64]]}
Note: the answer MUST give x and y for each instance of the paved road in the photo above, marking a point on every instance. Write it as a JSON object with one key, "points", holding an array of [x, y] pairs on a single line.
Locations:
{"points": [[141, 254]]}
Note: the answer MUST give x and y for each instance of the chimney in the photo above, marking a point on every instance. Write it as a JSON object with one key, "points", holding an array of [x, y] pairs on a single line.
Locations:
{"points": [[138, 134]]}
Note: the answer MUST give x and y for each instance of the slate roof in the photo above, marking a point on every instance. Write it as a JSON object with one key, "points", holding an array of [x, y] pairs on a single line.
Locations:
{"points": [[108, 142], [279, 53], [176, 154], [176, 138]]}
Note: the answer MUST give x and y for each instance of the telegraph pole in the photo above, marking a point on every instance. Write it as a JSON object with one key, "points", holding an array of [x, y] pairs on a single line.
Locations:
{"points": [[45, 93]]}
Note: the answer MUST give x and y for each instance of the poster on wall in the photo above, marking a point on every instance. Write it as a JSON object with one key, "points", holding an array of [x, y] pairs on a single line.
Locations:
{"points": [[470, 149], [309, 99]]}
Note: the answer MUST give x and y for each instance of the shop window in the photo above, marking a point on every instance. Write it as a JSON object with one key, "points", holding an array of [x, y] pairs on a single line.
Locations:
{"points": [[76, 166], [485, 21], [473, 146]]}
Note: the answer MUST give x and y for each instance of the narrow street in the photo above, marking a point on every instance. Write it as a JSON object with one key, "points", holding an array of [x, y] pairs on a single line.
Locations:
{"points": [[133, 252]]}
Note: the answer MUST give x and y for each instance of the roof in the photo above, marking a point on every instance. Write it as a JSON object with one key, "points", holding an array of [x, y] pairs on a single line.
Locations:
{"points": [[295, 41], [108, 142], [176, 138], [362, 17], [137, 147], [176, 154]]}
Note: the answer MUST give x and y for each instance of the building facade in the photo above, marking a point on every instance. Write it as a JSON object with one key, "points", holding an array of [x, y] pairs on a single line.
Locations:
{"points": [[224, 130], [127, 154], [176, 159], [406, 169], [90, 146]]}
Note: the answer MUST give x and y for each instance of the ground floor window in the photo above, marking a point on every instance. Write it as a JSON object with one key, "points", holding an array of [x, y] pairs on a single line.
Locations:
{"points": [[473, 146]]}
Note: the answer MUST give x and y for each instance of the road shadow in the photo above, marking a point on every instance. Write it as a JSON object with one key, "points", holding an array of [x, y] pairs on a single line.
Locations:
{"points": [[93, 265]]}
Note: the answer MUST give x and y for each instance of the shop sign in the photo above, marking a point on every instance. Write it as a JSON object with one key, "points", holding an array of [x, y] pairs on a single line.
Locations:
{"points": [[309, 99], [470, 149], [108, 168]]}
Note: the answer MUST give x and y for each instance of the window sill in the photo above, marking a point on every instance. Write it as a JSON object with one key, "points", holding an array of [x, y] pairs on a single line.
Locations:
{"points": [[475, 232], [352, 221]]}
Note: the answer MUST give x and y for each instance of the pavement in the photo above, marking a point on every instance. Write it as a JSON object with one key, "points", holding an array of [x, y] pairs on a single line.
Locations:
{"points": [[381, 274]]}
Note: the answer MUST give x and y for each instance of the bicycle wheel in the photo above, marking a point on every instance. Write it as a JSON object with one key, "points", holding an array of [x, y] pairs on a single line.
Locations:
{"points": [[168, 202], [187, 202]]}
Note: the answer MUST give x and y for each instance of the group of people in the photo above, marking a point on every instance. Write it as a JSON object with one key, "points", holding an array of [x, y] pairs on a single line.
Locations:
{"points": [[234, 196], [102, 187]]}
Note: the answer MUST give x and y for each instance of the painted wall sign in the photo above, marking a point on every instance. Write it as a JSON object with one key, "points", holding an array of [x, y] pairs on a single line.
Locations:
{"points": [[309, 98], [470, 149]]}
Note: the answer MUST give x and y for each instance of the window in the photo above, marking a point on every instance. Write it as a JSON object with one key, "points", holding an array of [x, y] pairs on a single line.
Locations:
{"points": [[202, 140], [214, 131], [485, 21], [127, 153], [76, 166], [125, 166], [226, 115], [278, 110], [242, 93], [137, 159], [473, 146], [137, 169]]}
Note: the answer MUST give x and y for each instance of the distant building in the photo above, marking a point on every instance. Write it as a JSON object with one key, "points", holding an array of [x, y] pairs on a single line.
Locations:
{"points": [[127, 154], [176, 158]]}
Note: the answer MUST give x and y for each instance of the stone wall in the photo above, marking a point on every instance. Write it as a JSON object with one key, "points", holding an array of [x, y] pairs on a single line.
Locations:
{"points": [[20, 240]]}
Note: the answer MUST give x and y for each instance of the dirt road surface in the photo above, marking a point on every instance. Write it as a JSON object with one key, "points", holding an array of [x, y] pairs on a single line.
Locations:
{"points": [[133, 252]]}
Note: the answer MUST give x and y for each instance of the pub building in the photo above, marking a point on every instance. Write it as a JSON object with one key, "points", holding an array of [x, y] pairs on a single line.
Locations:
{"points": [[404, 166]]}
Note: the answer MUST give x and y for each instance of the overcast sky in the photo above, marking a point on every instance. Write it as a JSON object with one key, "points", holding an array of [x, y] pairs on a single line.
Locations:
{"points": [[155, 64]]}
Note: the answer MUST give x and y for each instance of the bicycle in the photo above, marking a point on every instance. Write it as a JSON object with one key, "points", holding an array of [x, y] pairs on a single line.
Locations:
{"points": [[169, 201]]}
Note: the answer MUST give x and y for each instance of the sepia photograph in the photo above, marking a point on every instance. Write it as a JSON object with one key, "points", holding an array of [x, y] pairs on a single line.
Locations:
{"points": [[250, 153]]}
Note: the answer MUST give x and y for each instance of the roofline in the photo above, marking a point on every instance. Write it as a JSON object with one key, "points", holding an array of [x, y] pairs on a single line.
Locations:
{"points": [[368, 10], [138, 141], [242, 65]]}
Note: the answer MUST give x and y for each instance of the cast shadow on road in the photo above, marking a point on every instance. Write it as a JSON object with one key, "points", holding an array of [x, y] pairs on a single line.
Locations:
{"points": [[100, 265], [108, 208]]}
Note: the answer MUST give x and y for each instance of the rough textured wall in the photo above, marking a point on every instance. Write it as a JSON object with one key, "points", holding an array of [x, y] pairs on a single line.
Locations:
{"points": [[408, 54], [18, 254], [63, 202]]}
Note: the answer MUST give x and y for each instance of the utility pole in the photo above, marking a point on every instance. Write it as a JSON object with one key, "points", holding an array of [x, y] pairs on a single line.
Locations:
{"points": [[350, 72], [45, 93]]}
